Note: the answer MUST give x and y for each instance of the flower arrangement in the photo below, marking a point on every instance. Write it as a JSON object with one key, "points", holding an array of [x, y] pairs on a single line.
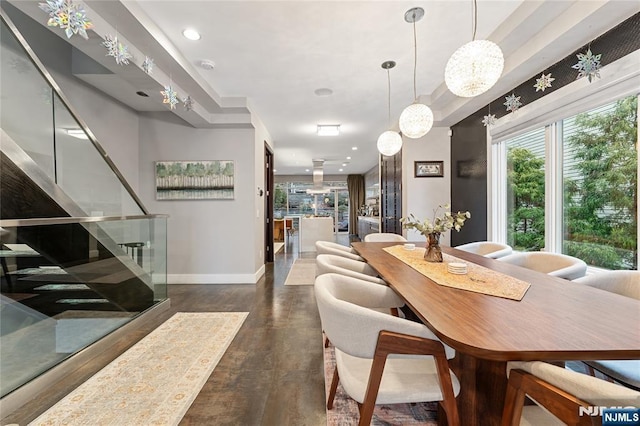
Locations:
{"points": [[433, 228], [439, 224]]}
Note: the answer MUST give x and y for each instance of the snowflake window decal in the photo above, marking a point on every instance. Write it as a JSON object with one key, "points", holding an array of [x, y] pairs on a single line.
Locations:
{"points": [[170, 96], [543, 82], [588, 65], [68, 16], [119, 51], [147, 65], [489, 120], [188, 103], [512, 102]]}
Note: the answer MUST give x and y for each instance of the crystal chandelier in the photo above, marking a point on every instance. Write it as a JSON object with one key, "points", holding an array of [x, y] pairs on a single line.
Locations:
{"points": [[475, 67], [416, 119], [389, 142]]}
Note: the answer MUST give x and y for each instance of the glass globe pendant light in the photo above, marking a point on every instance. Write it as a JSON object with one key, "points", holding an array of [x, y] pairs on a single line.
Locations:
{"points": [[416, 119], [475, 67], [389, 142]]}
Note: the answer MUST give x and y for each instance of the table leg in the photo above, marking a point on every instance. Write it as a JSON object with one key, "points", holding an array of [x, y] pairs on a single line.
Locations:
{"points": [[483, 385]]}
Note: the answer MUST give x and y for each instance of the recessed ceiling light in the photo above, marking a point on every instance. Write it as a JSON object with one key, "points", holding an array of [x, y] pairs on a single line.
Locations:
{"points": [[348, 158], [275, 171], [328, 129], [354, 148], [323, 92], [340, 170], [306, 170], [344, 164], [191, 34]]}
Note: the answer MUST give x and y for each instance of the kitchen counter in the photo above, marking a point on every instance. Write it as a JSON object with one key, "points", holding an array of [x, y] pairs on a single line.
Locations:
{"points": [[368, 225], [314, 229]]}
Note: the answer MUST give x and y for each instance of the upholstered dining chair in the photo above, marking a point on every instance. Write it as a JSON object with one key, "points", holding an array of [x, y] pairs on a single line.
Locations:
{"points": [[555, 264], [328, 247], [487, 249], [363, 339], [383, 237], [561, 392], [329, 263], [624, 283]]}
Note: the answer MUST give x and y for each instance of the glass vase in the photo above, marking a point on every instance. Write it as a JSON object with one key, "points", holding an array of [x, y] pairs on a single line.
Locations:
{"points": [[433, 252]]}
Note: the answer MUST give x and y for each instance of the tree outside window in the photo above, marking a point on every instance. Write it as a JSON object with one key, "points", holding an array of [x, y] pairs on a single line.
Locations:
{"points": [[601, 186]]}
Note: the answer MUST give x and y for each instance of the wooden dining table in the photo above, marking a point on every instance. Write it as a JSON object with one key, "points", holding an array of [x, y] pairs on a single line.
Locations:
{"points": [[556, 320]]}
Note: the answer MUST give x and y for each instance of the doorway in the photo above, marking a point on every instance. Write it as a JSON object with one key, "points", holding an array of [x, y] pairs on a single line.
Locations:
{"points": [[268, 203]]}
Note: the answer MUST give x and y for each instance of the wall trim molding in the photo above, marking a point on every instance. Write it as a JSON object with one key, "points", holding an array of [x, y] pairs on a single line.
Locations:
{"points": [[216, 278]]}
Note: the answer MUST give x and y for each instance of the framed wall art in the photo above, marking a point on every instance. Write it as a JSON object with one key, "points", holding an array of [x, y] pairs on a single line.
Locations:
{"points": [[428, 168], [195, 180]]}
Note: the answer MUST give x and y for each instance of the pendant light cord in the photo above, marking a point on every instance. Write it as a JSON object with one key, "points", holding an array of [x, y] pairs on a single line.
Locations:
{"points": [[475, 20], [415, 58], [389, 96]]}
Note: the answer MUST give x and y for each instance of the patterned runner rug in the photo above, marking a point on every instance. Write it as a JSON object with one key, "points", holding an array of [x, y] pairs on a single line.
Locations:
{"points": [[303, 272], [155, 381], [345, 409]]}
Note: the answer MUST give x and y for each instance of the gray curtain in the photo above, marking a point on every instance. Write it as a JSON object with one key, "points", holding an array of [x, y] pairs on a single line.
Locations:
{"points": [[355, 185]]}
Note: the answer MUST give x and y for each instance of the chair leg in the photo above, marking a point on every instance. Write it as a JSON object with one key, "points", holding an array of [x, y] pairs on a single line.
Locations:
{"points": [[394, 312], [370, 396], [334, 387], [326, 342]]}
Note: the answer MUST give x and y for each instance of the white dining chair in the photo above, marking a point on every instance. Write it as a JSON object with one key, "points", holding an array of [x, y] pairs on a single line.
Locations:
{"points": [[328, 247], [558, 394], [487, 249], [329, 263], [363, 338], [554, 264], [624, 283], [383, 237]]}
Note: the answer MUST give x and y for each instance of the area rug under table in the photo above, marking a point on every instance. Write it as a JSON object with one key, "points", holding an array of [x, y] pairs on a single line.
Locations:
{"points": [[303, 272], [345, 410], [156, 380]]}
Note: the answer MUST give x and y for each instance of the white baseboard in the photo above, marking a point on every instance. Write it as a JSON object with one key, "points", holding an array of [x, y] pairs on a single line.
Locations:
{"points": [[216, 278]]}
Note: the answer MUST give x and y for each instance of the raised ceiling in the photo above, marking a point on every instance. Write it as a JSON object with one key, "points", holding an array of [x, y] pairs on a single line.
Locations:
{"points": [[271, 56]]}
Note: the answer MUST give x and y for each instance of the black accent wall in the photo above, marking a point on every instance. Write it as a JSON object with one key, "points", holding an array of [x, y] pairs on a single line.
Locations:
{"points": [[469, 140]]}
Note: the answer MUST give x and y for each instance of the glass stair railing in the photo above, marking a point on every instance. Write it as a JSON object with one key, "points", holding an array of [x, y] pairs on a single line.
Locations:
{"points": [[80, 254], [40, 121], [63, 288]]}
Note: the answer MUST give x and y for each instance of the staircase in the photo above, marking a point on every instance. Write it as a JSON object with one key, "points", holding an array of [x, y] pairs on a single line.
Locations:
{"points": [[80, 255]]}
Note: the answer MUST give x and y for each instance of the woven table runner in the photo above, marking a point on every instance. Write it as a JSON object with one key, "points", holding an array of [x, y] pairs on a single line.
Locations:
{"points": [[478, 278]]}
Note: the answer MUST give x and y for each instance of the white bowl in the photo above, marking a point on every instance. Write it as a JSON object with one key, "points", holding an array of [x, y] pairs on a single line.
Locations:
{"points": [[409, 246]]}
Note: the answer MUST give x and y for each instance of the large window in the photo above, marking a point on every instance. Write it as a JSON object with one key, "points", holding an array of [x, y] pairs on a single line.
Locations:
{"points": [[525, 191], [571, 186], [600, 168], [294, 199]]}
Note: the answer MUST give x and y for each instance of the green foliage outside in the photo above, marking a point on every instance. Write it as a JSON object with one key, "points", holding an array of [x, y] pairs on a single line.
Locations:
{"points": [[600, 205], [601, 209], [525, 202]]}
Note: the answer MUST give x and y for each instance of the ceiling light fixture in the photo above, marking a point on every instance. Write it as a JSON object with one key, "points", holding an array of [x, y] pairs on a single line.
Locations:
{"points": [[416, 119], [354, 148], [191, 34], [389, 142], [475, 67], [328, 129]]}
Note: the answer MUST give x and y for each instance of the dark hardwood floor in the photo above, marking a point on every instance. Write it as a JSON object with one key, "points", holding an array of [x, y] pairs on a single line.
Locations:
{"points": [[272, 373]]}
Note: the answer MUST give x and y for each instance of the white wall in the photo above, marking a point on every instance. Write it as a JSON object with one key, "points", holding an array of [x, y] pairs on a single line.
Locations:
{"points": [[421, 196], [261, 136], [209, 241]]}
